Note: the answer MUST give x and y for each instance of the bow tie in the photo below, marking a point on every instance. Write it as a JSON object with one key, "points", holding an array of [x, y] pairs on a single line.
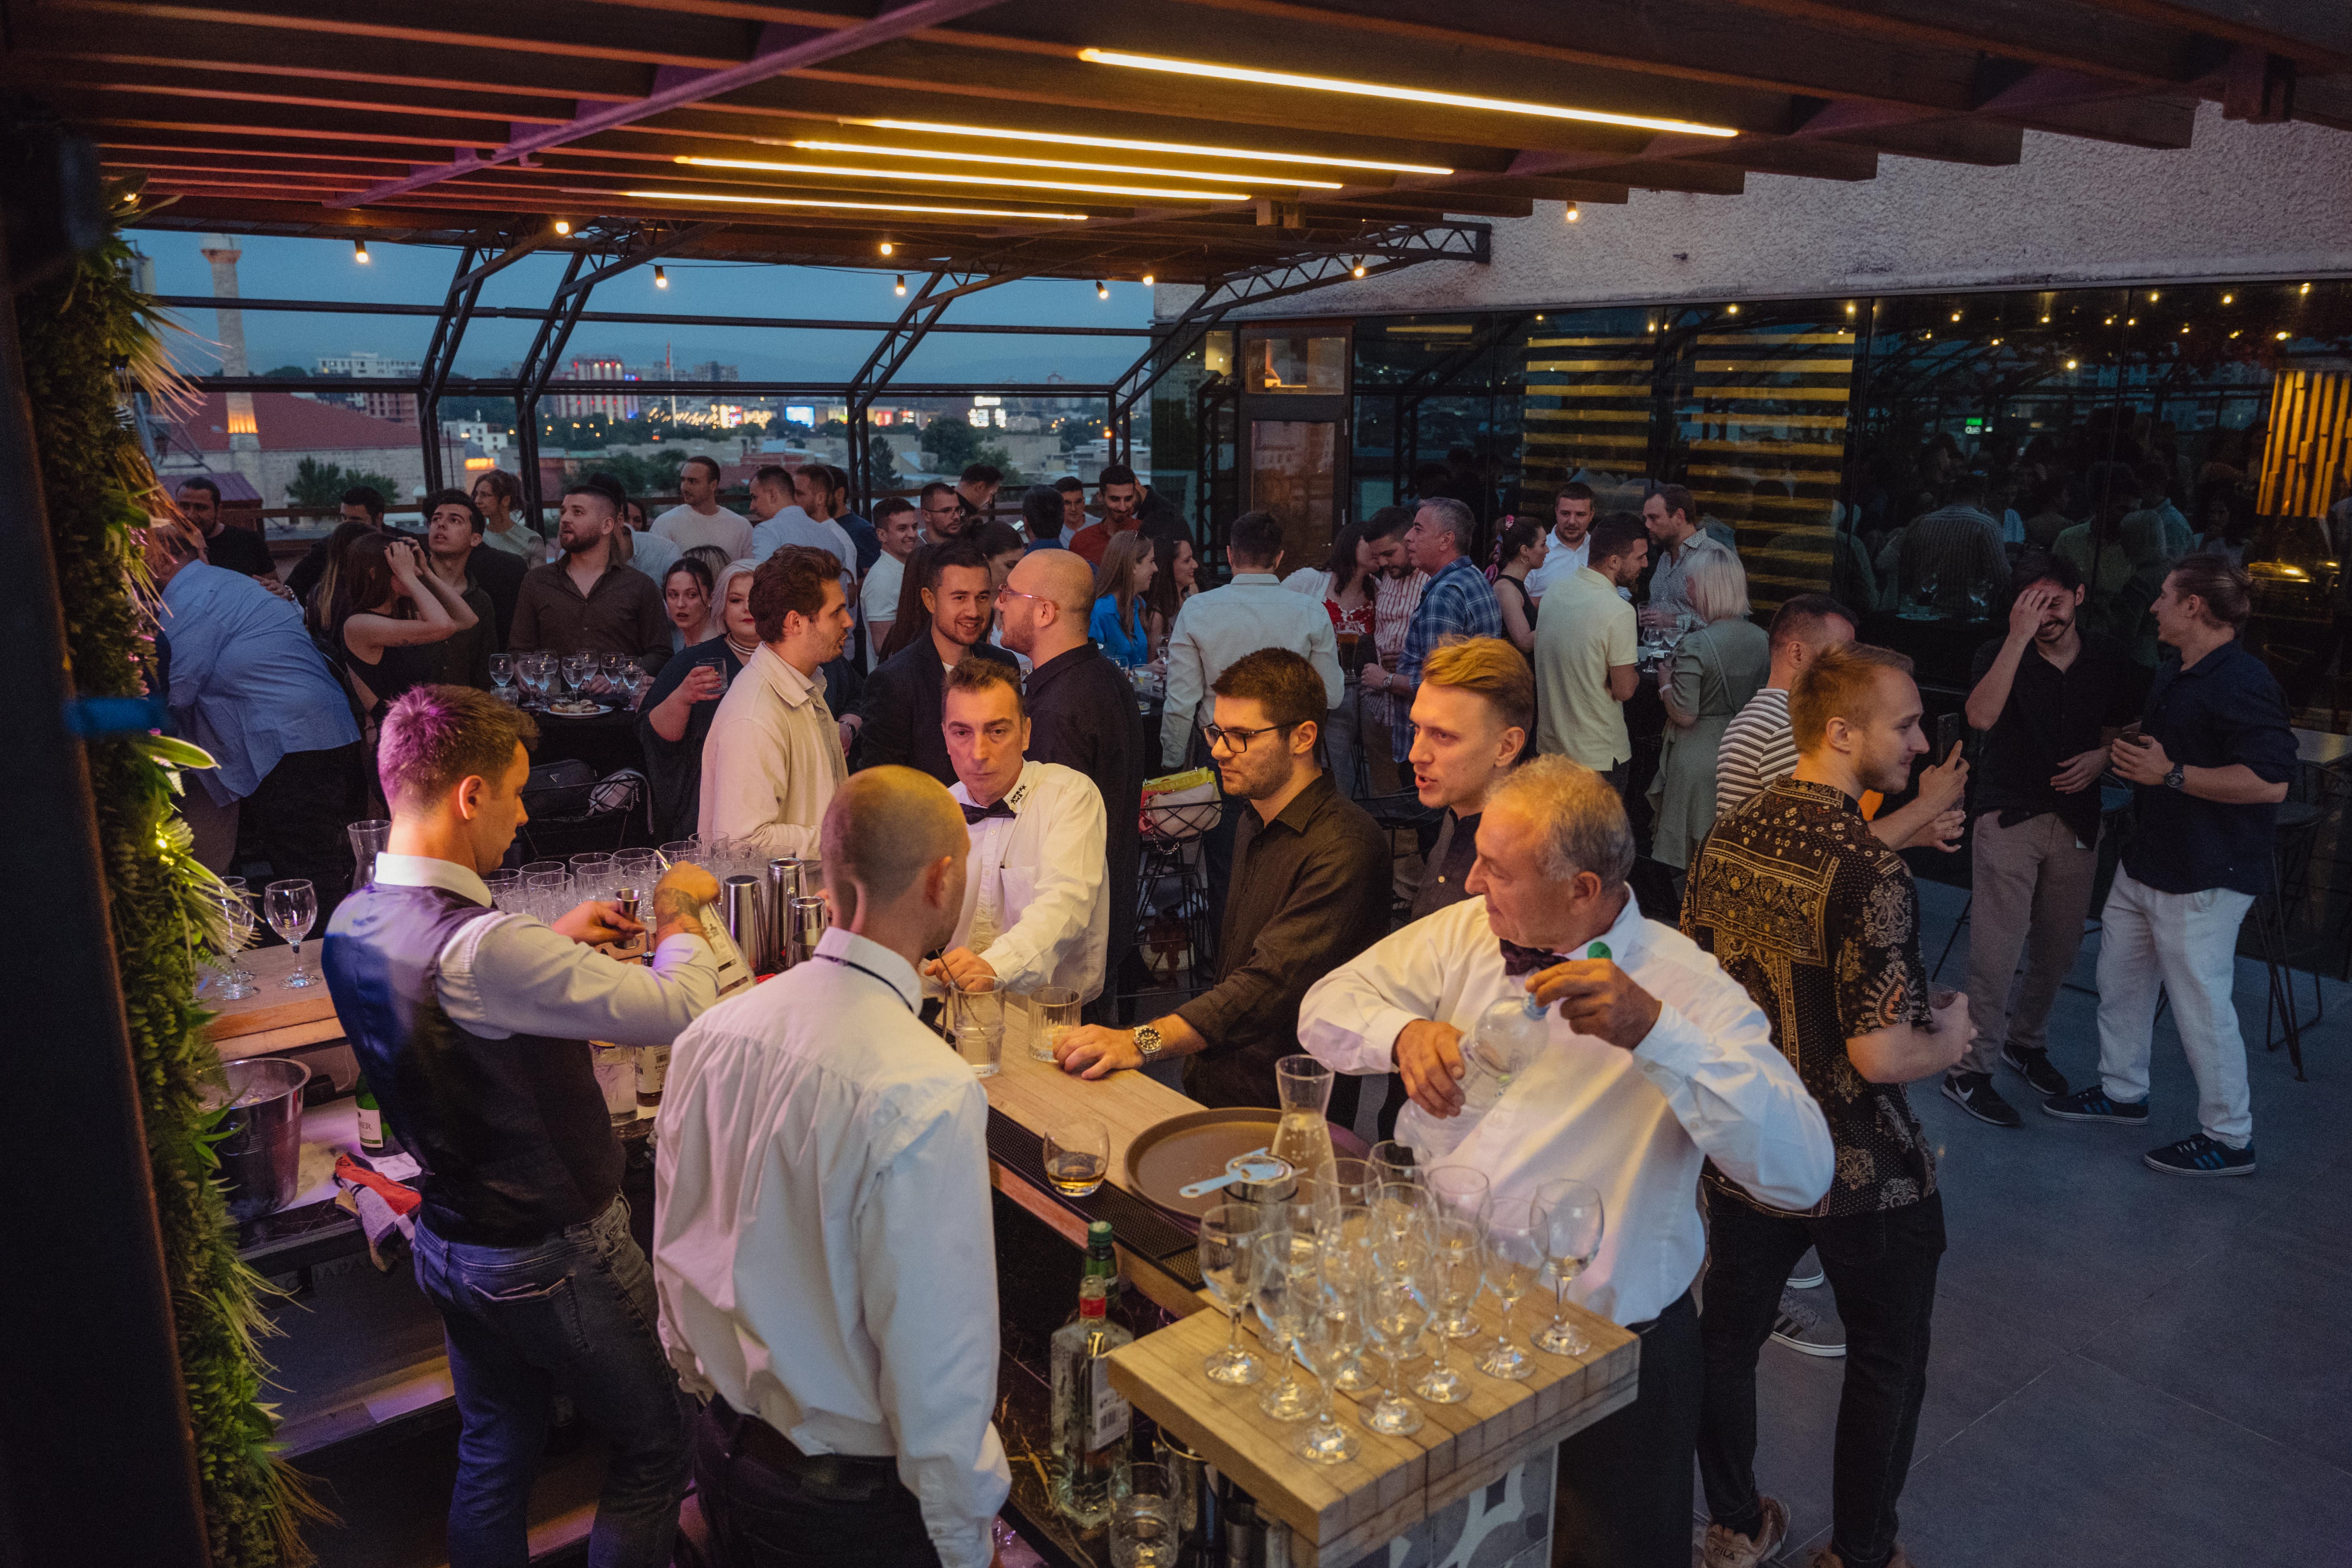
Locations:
{"points": [[975, 815], [1518, 960]]}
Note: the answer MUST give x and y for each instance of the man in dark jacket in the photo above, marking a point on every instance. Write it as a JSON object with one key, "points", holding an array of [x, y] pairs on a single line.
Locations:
{"points": [[1082, 715], [898, 719]]}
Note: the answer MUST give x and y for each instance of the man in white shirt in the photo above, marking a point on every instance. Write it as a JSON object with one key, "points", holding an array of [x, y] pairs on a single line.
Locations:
{"points": [[1036, 905], [774, 759], [1571, 513], [778, 520], [472, 1027], [1654, 1062], [1252, 611], [823, 1245], [700, 519], [895, 529]]}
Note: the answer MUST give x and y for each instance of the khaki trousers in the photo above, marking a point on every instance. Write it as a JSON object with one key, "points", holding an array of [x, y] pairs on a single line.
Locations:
{"points": [[2032, 890]]}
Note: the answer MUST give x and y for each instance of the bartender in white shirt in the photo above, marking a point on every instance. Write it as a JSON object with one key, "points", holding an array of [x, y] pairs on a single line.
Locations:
{"points": [[823, 1244], [1655, 1062], [1037, 899]]}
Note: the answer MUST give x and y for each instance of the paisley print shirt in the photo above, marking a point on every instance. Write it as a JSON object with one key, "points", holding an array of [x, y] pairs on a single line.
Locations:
{"points": [[1820, 922]]}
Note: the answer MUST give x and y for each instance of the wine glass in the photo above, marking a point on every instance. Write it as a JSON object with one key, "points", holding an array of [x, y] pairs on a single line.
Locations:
{"points": [[610, 667], [1396, 1161], [1329, 1321], [1449, 1272], [233, 983], [502, 672], [1348, 1267], [1515, 1255], [291, 905], [1288, 1278], [1458, 1192], [1572, 1227], [1394, 1316], [1401, 1211], [1228, 1252], [577, 668]]}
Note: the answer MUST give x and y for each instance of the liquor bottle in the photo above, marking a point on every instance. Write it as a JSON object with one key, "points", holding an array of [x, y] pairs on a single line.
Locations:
{"points": [[1090, 1418], [1102, 1263], [375, 1138], [652, 1071]]}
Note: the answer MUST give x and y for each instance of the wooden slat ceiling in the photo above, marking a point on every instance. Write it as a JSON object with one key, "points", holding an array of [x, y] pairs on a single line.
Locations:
{"points": [[271, 116]]}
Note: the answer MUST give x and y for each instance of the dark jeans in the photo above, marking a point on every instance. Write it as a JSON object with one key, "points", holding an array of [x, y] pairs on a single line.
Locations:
{"points": [[1625, 1492], [765, 1517], [573, 1314], [300, 811], [1882, 1267]]}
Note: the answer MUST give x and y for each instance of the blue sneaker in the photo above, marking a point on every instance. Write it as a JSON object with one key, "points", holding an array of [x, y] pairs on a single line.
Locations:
{"points": [[2201, 1156], [2092, 1104]]}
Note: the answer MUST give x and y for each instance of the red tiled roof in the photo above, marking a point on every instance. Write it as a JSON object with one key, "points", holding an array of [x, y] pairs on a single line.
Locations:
{"points": [[291, 424]]}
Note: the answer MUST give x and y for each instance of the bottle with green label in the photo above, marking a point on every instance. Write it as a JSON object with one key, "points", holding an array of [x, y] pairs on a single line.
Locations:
{"points": [[375, 1138]]}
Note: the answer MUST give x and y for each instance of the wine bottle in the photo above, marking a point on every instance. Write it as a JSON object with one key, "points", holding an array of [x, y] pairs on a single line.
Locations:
{"points": [[653, 1072], [375, 1138], [1091, 1419]]}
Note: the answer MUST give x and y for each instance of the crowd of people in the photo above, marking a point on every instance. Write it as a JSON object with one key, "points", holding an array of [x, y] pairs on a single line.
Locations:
{"points": [[944, 710]]}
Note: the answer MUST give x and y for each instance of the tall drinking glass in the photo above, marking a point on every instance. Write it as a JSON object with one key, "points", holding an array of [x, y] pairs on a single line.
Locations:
{"points": [[976, 1017], [505, 886], [1228, 1253], [1053, 1013], [1449, 1273], [1515, 1255], [241, 920], [1145, 1529], [1348, 1268], [1290, 1279], [291, 905], [591, 875], [1303, 1138], [1573, 1229]]}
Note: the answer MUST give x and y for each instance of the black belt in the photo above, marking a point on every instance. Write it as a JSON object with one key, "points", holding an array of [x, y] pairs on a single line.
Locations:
{"points": [[829, 1477]]}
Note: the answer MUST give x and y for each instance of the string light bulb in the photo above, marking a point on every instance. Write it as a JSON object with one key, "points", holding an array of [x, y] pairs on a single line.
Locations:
{"points": [[1956, 315], [2070, 365], [359, 251], [2153, 296], [2304, 289], [1849, 307], [2229, 299], [661, 278], [1148, 281], [1359, 268], [1734, 309], [900, 288], [2282, 337], [887, 247], [563, 225], [1573, 215], [2233, 333], [1102, 289]]}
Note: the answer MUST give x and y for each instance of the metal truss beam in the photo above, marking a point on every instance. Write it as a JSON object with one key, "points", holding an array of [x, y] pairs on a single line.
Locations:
{"points": [[642, 317]]}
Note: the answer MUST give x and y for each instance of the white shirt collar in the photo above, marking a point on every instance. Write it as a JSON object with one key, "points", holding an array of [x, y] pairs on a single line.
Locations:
{"points": [[846, 948], [1627, 935], [1240, 577], [426, 871], [1023, 788], [789, 683]]}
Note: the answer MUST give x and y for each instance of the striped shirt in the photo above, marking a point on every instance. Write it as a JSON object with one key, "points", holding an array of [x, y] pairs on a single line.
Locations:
{"points": [[1758, 747], [1394, 600]]}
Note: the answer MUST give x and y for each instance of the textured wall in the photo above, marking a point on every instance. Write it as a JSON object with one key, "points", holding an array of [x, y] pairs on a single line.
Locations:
{"points": [[2242, 202]]}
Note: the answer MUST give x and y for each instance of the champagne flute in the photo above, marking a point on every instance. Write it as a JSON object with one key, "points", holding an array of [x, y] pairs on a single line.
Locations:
{"points": [[1348, 1267], [1572, 1227], [292, 905], [1288, 1276], [1449, 1273], [240, 926], [1394, 1316], [1327, 1320], [1228, 1252], [1458, 1192], [1515, 1255]]}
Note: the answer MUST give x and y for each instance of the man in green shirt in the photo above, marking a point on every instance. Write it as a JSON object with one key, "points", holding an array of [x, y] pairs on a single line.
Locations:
{"points": [[1584, 655]]}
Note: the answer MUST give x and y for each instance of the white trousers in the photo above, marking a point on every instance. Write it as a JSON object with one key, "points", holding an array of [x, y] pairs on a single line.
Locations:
{"points": [[2186, 943]]}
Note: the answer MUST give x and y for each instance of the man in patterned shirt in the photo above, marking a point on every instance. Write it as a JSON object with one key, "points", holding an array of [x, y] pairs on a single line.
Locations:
{"points": [[1458, 603], [1820, 922]]}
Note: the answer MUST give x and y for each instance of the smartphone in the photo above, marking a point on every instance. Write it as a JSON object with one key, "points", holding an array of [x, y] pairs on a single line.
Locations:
{"points": [[1949, 729]]}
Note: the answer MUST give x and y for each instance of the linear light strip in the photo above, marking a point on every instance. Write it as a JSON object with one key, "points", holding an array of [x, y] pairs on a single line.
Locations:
{"points": [[1402, 94], [1126, 145], [1059, 163], [851, 206], [1159, 191]]}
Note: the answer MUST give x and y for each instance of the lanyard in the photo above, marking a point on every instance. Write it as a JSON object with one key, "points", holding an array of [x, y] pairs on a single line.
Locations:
{"points": [[853, 963]]}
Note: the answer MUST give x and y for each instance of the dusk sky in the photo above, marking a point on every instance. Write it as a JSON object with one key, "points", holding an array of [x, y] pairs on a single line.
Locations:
{"points": [[325, 270]]}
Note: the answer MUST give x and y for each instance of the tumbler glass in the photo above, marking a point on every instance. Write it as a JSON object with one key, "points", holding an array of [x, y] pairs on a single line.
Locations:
{"points": [[976, 1019], [1053, 1013]]}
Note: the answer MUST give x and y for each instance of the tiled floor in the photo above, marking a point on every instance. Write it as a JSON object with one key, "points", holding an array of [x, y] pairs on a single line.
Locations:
{"points": [[2129, 1369]]}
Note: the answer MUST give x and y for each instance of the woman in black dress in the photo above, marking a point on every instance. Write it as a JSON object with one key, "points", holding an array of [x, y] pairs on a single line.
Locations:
{"points": [[389, 609], [684, 697]]}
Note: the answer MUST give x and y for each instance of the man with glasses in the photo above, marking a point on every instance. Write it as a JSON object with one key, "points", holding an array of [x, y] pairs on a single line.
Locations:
{"points": [[1313, 892], [942, 513]]}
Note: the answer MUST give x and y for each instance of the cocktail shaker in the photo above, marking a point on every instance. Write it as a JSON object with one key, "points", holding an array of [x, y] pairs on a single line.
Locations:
{"points": [[741, 910], [807, 919], [783, 885]]}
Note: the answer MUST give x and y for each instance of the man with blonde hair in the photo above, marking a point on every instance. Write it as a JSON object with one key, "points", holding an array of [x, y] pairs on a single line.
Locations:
{"points": [[1654, 1064], [1820, 921], [822, 1239], [1471, 719]]}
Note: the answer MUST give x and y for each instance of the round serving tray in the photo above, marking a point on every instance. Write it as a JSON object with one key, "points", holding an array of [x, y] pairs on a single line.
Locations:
{"points": [[1191, 1148]]}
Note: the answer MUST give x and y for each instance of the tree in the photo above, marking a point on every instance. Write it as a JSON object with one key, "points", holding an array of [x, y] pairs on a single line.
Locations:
{"points": [[884, 461], [288, 372], [994, 454], [323, 484], [643, 476], [951, 444]]}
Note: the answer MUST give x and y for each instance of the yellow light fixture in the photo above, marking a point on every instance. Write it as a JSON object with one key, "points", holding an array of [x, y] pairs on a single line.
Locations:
{"points": [[2109, 323], [2131, 321], [1733, 308], [2228, 298], [900, 288], [2184, 327], [1398, 94], [661, 278], [1148, 281], [563, 225], [2282, 337], [1574, 214], [2045, 321], [887, 247], [2153, 296], [868, 148], [1102, 289], [1359, 268], [850, 206], [1956, 315], [2233, 334], [2070, 365], [1849, 307], [359, 251], [2304, 289], [1129, 144], [1926, 334], [1996, 343], [760, 166]]}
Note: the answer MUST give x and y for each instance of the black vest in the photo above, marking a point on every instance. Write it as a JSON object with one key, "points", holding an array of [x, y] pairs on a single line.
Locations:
{"points": [[513, 1135]]}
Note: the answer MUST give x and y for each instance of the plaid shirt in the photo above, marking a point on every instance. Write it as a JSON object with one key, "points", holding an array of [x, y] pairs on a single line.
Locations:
{"points": [[1458, 603], [1394, 600]]}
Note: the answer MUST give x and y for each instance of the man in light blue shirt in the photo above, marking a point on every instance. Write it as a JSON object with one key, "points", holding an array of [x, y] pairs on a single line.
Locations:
{"points": [[250, 688], [1252, 611]]}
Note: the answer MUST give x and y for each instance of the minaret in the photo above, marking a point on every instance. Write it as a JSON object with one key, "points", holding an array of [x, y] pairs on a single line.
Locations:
{"points": [[244, 434]]}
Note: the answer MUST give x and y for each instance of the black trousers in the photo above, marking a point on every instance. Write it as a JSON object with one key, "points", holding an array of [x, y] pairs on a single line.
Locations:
{"points": [[764, 1517], [1624, 1495], [300, 811], [1882, 1267]]}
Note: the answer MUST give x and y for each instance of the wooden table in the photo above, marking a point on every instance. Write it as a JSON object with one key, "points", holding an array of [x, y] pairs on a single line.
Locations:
{"points": [[274, 1018]]}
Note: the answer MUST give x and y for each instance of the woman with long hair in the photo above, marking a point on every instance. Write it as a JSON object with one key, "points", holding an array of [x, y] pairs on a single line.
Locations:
{"points": [[914, 618], [1176, 568], [687, 592], [317, 614], [390, 608], [1520, 549], [1128, 565], [1712, 673], [675, 718]]}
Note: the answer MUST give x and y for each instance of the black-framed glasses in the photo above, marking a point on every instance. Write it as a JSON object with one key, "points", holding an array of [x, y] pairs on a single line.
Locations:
{"points": [[1218, 734]]}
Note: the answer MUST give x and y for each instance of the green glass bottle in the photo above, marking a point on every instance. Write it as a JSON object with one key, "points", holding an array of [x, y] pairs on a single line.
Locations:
{"points": [[375, 1138]]}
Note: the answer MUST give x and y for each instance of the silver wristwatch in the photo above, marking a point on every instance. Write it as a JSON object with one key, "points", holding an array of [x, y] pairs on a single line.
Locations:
{"points": [[1147, 1041]]}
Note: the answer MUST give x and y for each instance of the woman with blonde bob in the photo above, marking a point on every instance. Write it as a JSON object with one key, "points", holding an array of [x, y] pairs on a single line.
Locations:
{"points": [[1709, 676]]}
